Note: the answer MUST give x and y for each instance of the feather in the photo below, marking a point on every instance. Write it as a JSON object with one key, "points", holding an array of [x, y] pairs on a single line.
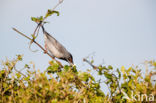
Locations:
{"points": [[55, 48]]}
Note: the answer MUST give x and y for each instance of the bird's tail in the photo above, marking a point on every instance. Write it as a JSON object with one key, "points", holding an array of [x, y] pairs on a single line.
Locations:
{"points": [[41, 24], [43, 28]]}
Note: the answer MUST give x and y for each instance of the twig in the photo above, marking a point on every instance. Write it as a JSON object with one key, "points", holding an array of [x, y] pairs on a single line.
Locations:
{"points": [[37, 29], [19, 72], [21, 33], [85, 60], [38, 26], [60, 1], [117, 79], [38, 46], [95, 67]]}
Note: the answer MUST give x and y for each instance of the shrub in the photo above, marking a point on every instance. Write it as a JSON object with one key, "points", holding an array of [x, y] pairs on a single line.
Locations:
{"points": [[67, 85]]}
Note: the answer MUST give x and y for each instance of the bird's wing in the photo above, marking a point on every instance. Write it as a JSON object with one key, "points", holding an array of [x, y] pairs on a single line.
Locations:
{"points": [[56, 44]]}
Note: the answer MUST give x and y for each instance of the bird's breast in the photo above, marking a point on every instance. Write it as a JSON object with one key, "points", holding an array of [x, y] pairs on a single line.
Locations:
{"points": [[54, 51]]}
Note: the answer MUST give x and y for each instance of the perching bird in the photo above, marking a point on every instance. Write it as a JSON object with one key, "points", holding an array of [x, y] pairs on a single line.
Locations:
{"points": [[56, 48]]}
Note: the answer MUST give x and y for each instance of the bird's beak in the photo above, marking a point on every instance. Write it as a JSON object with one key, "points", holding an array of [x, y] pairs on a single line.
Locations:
{"points": [[70, 60]]}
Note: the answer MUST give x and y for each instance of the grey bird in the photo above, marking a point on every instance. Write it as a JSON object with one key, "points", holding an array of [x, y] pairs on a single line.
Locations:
{"points": [[55, 48]]}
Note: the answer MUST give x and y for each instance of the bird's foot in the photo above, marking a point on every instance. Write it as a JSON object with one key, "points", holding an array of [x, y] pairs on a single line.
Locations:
{"points": [[45, 51]]}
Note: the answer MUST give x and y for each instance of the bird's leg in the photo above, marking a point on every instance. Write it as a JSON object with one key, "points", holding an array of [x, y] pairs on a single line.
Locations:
{"points": [[46, 50]]}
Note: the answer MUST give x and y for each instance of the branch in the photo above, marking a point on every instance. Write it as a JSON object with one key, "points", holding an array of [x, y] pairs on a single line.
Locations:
{"points": [[38, 26], [19, 72], [21, 33], [93, 66], [35, 35], [117, 79], [38, 46]]}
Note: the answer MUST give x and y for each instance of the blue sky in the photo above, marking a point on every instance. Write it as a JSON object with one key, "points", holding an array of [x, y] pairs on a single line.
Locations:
{"points": [[120, 32]]}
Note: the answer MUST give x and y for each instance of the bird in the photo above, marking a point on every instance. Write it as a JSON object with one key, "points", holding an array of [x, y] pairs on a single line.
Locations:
{"points": [[55, 48]]}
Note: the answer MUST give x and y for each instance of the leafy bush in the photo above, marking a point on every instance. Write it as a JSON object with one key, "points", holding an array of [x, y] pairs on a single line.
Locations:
{"points": [[67, 85]]}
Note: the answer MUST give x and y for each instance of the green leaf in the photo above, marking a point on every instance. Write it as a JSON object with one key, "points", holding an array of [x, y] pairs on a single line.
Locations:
{"points": [[33, 36], [27, 78], [124, 76], [129, 69], [33, 18], [2, 74], [92, 61], [133, 70], [84, 76], [51, 12], [18, 75], [74, 69], [66, 67], [51, 69], [110, 67], [40, 18], [107, 75], [108, 81], [154, 63], [37, 19], [19, 57], [125, 86], [119, 73], [27, 66], [105, 68], [123, 69]]}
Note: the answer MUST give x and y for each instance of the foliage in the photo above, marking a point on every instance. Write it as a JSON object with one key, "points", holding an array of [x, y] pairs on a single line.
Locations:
{"points": [[67, 85]]}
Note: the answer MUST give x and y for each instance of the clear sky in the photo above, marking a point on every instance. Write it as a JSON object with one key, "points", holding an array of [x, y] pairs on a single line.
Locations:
{"points": [[120, 32]]}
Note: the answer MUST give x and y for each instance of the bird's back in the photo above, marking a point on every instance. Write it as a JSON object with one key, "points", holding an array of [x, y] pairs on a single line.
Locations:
{"points": [[54, 47]]}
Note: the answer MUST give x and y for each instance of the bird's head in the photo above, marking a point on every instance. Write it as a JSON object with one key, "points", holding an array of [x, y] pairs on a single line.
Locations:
{"points": [[70, 59]]}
